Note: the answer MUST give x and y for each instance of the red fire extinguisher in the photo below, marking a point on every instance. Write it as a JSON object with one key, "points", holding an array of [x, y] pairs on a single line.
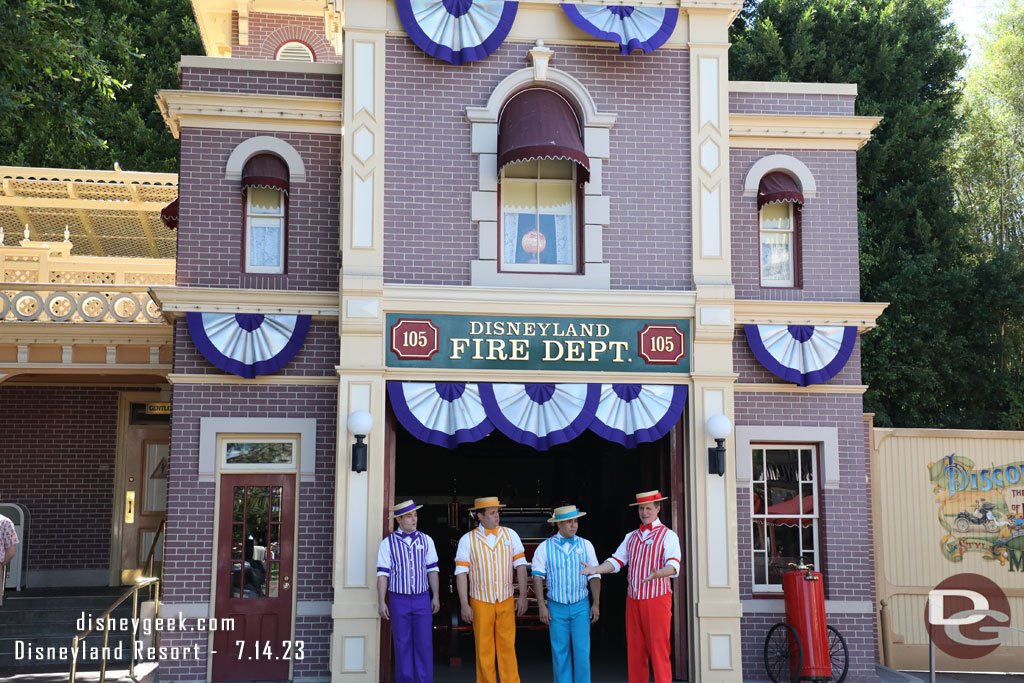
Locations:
{"points": [[805, 648]]}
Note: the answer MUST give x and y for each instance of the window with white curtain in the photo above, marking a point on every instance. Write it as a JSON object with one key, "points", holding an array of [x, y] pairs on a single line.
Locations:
{"points": [[538, 216], [778, 244], [264, 251]]}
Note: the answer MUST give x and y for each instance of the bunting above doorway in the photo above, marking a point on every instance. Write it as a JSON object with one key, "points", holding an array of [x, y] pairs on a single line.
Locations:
{"points": [[802, 354], [457, 31], [248, 344], [537, 415], [632, 27]]}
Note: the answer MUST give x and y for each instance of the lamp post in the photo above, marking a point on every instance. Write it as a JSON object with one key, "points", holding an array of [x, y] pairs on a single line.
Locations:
{"points": [[719, 427], [360, 423]]}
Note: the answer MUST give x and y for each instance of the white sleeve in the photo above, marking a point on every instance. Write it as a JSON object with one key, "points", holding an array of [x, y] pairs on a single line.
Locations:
{"points": [[462, 555], [620, 558], [671, 551], [384, 558], [540, 560], [431, 557], [591, 557], [518, 550]]}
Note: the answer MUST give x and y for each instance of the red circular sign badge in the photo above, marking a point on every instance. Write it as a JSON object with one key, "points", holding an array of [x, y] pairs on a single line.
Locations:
{"points": [[967, 616]]}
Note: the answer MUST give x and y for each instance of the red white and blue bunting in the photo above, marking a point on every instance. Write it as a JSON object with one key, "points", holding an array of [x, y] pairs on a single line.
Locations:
{"points": [[632, 27], [248, 344], [457, 31], [802, 354], [537, 415]]}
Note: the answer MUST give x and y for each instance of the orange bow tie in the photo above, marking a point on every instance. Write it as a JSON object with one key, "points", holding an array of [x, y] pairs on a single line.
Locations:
{"points": [[488, 532]]}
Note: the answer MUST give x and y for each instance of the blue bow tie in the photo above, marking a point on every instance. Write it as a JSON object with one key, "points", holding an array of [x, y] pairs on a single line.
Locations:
{"points": [[402, 534]]}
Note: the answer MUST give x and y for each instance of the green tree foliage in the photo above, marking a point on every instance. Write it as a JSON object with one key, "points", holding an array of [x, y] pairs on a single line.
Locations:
{"points": [[988, 158], [905, 57], [79, 79]]}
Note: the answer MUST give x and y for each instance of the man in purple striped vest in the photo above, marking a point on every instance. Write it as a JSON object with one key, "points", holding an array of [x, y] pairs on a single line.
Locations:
{"points": [[406, 564]]}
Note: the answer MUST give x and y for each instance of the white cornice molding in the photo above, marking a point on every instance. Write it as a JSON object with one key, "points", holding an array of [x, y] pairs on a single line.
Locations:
{"points": [[860, 313], [800, 132], [176, 301], [785, 88], [231, 63], [239, 111]]}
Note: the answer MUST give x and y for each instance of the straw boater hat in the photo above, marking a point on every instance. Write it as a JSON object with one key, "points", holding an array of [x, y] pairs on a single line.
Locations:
{"points": [[404, 508], [648, 497], [565, 513], [489, 502]]}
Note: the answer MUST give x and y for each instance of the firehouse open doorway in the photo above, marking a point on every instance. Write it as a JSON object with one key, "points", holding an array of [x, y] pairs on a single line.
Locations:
{"points": [[598, 476]]}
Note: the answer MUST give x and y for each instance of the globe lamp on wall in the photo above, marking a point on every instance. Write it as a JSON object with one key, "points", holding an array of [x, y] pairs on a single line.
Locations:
{"points": [[719, 427], [360, 423]]}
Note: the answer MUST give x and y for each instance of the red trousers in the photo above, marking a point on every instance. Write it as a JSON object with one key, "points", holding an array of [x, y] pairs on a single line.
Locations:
{"points": [[648, 625]]}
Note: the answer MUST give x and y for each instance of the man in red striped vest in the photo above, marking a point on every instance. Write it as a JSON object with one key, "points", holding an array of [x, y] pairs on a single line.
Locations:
{"points": [[652, 553]]}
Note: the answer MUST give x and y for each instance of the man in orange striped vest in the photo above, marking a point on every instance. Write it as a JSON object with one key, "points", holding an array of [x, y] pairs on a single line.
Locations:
{"points": [[652, 553], [484, 562]]}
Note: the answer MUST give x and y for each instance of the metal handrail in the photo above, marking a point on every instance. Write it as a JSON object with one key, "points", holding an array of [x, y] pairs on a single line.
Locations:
{"points": [[132, 592], [151, 557]]}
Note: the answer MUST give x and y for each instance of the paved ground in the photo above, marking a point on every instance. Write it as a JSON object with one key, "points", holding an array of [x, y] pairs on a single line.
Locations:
{"points": [[915, 676]]}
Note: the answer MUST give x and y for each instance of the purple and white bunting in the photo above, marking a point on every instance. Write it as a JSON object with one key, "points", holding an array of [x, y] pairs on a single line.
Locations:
{"points": [[541, 415], [443, 413], [631, 414], [632, 27], [457, 31], [802, 354], [248, 344]]}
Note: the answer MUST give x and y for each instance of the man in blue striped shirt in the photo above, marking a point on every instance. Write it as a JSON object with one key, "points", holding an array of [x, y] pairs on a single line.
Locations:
{"points": [[566, 609]]}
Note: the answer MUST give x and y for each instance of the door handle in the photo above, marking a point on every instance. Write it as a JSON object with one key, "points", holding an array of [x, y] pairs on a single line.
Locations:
{"points": [[129, 507], [286, 585]]}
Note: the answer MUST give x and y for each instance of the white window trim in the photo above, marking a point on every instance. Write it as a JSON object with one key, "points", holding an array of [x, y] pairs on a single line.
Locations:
{"points": [[239, 467], [210, 429], [785, 163], [816, 468], [827, 439], [484, 271], [791, 282], [262, 144], [249, 216]]}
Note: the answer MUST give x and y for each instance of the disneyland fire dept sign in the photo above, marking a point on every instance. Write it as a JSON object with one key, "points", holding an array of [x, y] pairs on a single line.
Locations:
{"points": [[536, 343]]}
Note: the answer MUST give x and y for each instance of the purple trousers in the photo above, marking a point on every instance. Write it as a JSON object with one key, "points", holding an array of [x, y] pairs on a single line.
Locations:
{"points": [[411, 630]]}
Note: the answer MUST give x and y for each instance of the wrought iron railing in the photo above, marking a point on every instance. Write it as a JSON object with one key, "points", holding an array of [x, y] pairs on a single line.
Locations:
{"points": [[77, 303]]}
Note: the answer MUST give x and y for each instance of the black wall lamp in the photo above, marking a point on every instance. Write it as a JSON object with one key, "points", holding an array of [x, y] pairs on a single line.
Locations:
{"points": [[360, 423], [719, 427]]}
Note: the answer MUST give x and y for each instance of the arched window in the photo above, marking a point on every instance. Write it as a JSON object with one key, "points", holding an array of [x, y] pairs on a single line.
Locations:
{"points": [[265, 188], [294, 51], [542, 167], [779, 203]]}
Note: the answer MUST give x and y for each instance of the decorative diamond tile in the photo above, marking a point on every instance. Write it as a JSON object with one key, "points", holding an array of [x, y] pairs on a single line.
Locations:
{"points": [[709, 156], [362, 144]]}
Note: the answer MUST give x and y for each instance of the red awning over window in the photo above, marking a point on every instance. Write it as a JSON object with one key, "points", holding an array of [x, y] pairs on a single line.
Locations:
{"points": [[169, 215], [540, 124], [778, 187], [265, 170]]}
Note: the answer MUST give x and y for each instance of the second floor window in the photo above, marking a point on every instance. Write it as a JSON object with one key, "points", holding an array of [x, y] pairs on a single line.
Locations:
{"points": [[265, 190], [779, 203], [538, 217]]}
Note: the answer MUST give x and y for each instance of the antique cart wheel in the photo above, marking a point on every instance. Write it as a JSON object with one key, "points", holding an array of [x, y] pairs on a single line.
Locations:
{"points": [[839, 654], [783, 654], [962, 525]]}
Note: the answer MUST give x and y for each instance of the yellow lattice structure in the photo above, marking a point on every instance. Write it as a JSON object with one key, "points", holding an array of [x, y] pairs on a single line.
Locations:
{"points": [[105, 213]]}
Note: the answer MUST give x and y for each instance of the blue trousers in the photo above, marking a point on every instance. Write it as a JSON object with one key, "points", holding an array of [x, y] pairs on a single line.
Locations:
{"points": [[411, 630], [570, 641]]}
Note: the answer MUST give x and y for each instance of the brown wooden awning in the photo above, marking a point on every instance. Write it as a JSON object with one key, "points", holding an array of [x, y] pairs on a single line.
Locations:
{"points": [[778, 187], [540, 124], [265, 170]]}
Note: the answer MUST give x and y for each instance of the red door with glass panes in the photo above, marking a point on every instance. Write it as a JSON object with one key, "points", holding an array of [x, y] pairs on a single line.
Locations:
{"points": [[256, 524]]}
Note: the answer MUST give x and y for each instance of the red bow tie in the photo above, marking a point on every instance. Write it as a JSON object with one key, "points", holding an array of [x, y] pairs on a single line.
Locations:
{"points": [[647, 527]]}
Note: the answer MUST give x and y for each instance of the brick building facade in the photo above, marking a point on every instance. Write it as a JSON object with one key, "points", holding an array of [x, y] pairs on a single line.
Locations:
{"points": [[378, 174]]}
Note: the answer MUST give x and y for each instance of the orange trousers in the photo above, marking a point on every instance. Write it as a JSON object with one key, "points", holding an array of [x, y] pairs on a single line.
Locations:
{"points": [[494, 632], [648, 627]]}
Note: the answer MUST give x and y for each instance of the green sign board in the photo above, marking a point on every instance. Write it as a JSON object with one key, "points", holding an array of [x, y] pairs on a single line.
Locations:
{"points": [[537, 343]]}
